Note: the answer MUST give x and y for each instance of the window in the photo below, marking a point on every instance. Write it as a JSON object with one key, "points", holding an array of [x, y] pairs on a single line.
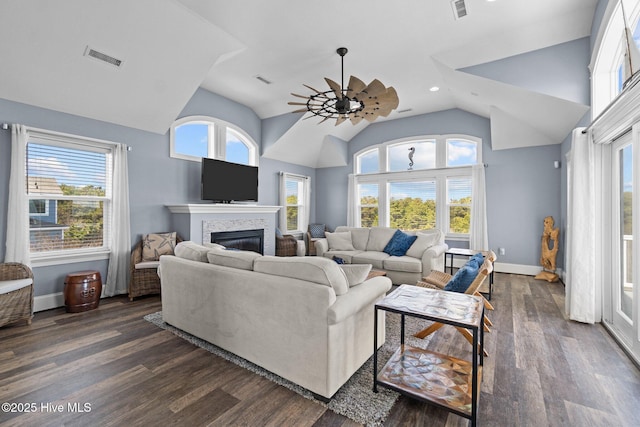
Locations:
{"points": [[192, 138], [69, 191], [368, 162], [412, 155], [368, 205], [294, 197], [607, 78], [459, 205], [433, 192], [412, 205]]}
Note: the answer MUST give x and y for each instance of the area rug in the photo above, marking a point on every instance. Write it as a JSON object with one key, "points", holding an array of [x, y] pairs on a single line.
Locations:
{"points": [[356, 399]]}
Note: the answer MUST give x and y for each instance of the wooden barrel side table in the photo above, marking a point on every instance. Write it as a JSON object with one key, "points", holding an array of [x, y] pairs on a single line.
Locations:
{"points": [[82, 291]]}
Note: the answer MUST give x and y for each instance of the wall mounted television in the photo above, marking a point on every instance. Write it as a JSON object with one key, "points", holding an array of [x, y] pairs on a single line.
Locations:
{"points": [[226, 182]]}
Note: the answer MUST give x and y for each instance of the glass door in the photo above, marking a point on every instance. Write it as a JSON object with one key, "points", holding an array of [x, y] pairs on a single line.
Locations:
{"points": [[623, 290]]}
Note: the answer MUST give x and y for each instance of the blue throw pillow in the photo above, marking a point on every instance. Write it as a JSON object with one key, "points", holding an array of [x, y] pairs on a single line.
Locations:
{"points": [[476, 260], [399, 243], [316, 231], [462, 279], [278, 232]]}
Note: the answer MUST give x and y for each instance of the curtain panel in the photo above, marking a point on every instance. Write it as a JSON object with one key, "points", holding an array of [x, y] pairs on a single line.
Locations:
{"points": [[17, 242]]}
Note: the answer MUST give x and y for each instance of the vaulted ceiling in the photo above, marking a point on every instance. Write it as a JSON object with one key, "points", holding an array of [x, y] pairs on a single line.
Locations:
{"points": [[169, 48]]}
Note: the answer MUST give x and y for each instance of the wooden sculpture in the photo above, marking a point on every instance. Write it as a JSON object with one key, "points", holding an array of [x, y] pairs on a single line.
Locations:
{"points": [[549, 253]]}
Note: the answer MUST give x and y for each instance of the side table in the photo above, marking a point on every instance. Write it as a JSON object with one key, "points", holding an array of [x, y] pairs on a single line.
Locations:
{"points": [[82, 291], [443, 380], [449, 254]]}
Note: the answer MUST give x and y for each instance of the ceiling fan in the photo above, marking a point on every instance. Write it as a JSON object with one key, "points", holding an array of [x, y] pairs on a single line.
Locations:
{"points": [[356, 102]]}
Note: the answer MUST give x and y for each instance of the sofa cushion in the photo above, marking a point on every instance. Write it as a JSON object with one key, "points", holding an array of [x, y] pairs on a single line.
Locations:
{"points": [[156, 244], [356, 273], [312, 269], [403, 263], [339, 241], [231, 258], [359, 236], [425, 239], [146, 264], [7, 286], [462, 279], [399, 243], [347, 256], [370, 257], [191, 250], [379, 237]]}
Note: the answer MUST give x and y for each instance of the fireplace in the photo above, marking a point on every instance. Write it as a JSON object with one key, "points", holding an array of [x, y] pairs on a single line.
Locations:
{"points": [[246, 240]]}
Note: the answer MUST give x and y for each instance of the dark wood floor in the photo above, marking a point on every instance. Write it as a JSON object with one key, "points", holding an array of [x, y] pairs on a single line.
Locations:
{"points": [[542, 371]]}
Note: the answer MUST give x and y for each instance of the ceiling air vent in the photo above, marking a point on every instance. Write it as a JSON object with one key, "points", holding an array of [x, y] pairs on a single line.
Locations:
{"points": [[92, 53], [263, 80], [459, 8]]}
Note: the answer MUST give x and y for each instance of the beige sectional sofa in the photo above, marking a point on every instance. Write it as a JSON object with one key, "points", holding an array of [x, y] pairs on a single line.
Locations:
{"points": [[299, 317], [366, 246]]}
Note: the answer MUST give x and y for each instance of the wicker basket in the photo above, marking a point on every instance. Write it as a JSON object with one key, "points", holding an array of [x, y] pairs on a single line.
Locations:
{"points": [[16, 305]]}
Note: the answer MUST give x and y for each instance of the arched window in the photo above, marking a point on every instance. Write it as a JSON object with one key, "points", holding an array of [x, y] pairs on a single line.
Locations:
{"points": [[607, 63], [195, 137], [417, 183]]}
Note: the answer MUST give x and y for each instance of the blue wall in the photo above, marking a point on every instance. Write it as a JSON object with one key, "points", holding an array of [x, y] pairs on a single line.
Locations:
{"points": [[155, 179]]}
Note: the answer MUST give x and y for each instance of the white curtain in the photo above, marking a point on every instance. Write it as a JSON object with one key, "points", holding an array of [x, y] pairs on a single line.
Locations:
{"points": [[479, 238], [581, 280], [283, 202], [306, 212], [351, 194], [118, 272], [17, 244]]}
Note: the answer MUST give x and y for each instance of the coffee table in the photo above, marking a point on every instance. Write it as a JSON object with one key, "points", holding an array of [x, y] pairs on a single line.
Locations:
{"points": [[443, 380]]}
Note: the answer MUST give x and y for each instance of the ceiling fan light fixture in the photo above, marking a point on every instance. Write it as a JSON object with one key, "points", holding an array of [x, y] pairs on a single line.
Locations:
{"points": [[355, 102]]}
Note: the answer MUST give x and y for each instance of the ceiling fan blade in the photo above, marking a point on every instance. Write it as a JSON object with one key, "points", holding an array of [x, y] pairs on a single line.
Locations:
{"points": [[296, 103], [300, 96], [309, 87], [341, 118], [355, 86], [390, 97], [335, 87], [355, 118], [374, 89]]}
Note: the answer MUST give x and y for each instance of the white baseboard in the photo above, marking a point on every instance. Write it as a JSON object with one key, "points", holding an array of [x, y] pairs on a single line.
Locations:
{"points": [[47, 302]]}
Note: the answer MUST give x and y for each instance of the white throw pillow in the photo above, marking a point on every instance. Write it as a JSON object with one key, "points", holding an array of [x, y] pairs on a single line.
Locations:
{"points": [[424, 241], [340, 241], [356, 273]]}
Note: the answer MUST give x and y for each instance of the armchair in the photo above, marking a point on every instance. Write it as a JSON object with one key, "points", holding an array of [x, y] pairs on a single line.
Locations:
{"points": [[143, 269], [286, 245], [16, 293], [314, 233]]}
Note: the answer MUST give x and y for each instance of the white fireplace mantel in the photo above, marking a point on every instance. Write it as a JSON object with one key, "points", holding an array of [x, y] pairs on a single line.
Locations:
{"points": [[196, 221], [221, 208]]}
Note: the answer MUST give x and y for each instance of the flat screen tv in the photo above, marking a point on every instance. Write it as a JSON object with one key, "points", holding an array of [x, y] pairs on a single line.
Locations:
{"points": [[227, 182]]}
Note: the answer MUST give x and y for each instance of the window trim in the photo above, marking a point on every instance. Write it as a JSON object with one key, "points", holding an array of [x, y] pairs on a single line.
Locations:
{"points": [[303, 184], [217, 139], [49, 258]]}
